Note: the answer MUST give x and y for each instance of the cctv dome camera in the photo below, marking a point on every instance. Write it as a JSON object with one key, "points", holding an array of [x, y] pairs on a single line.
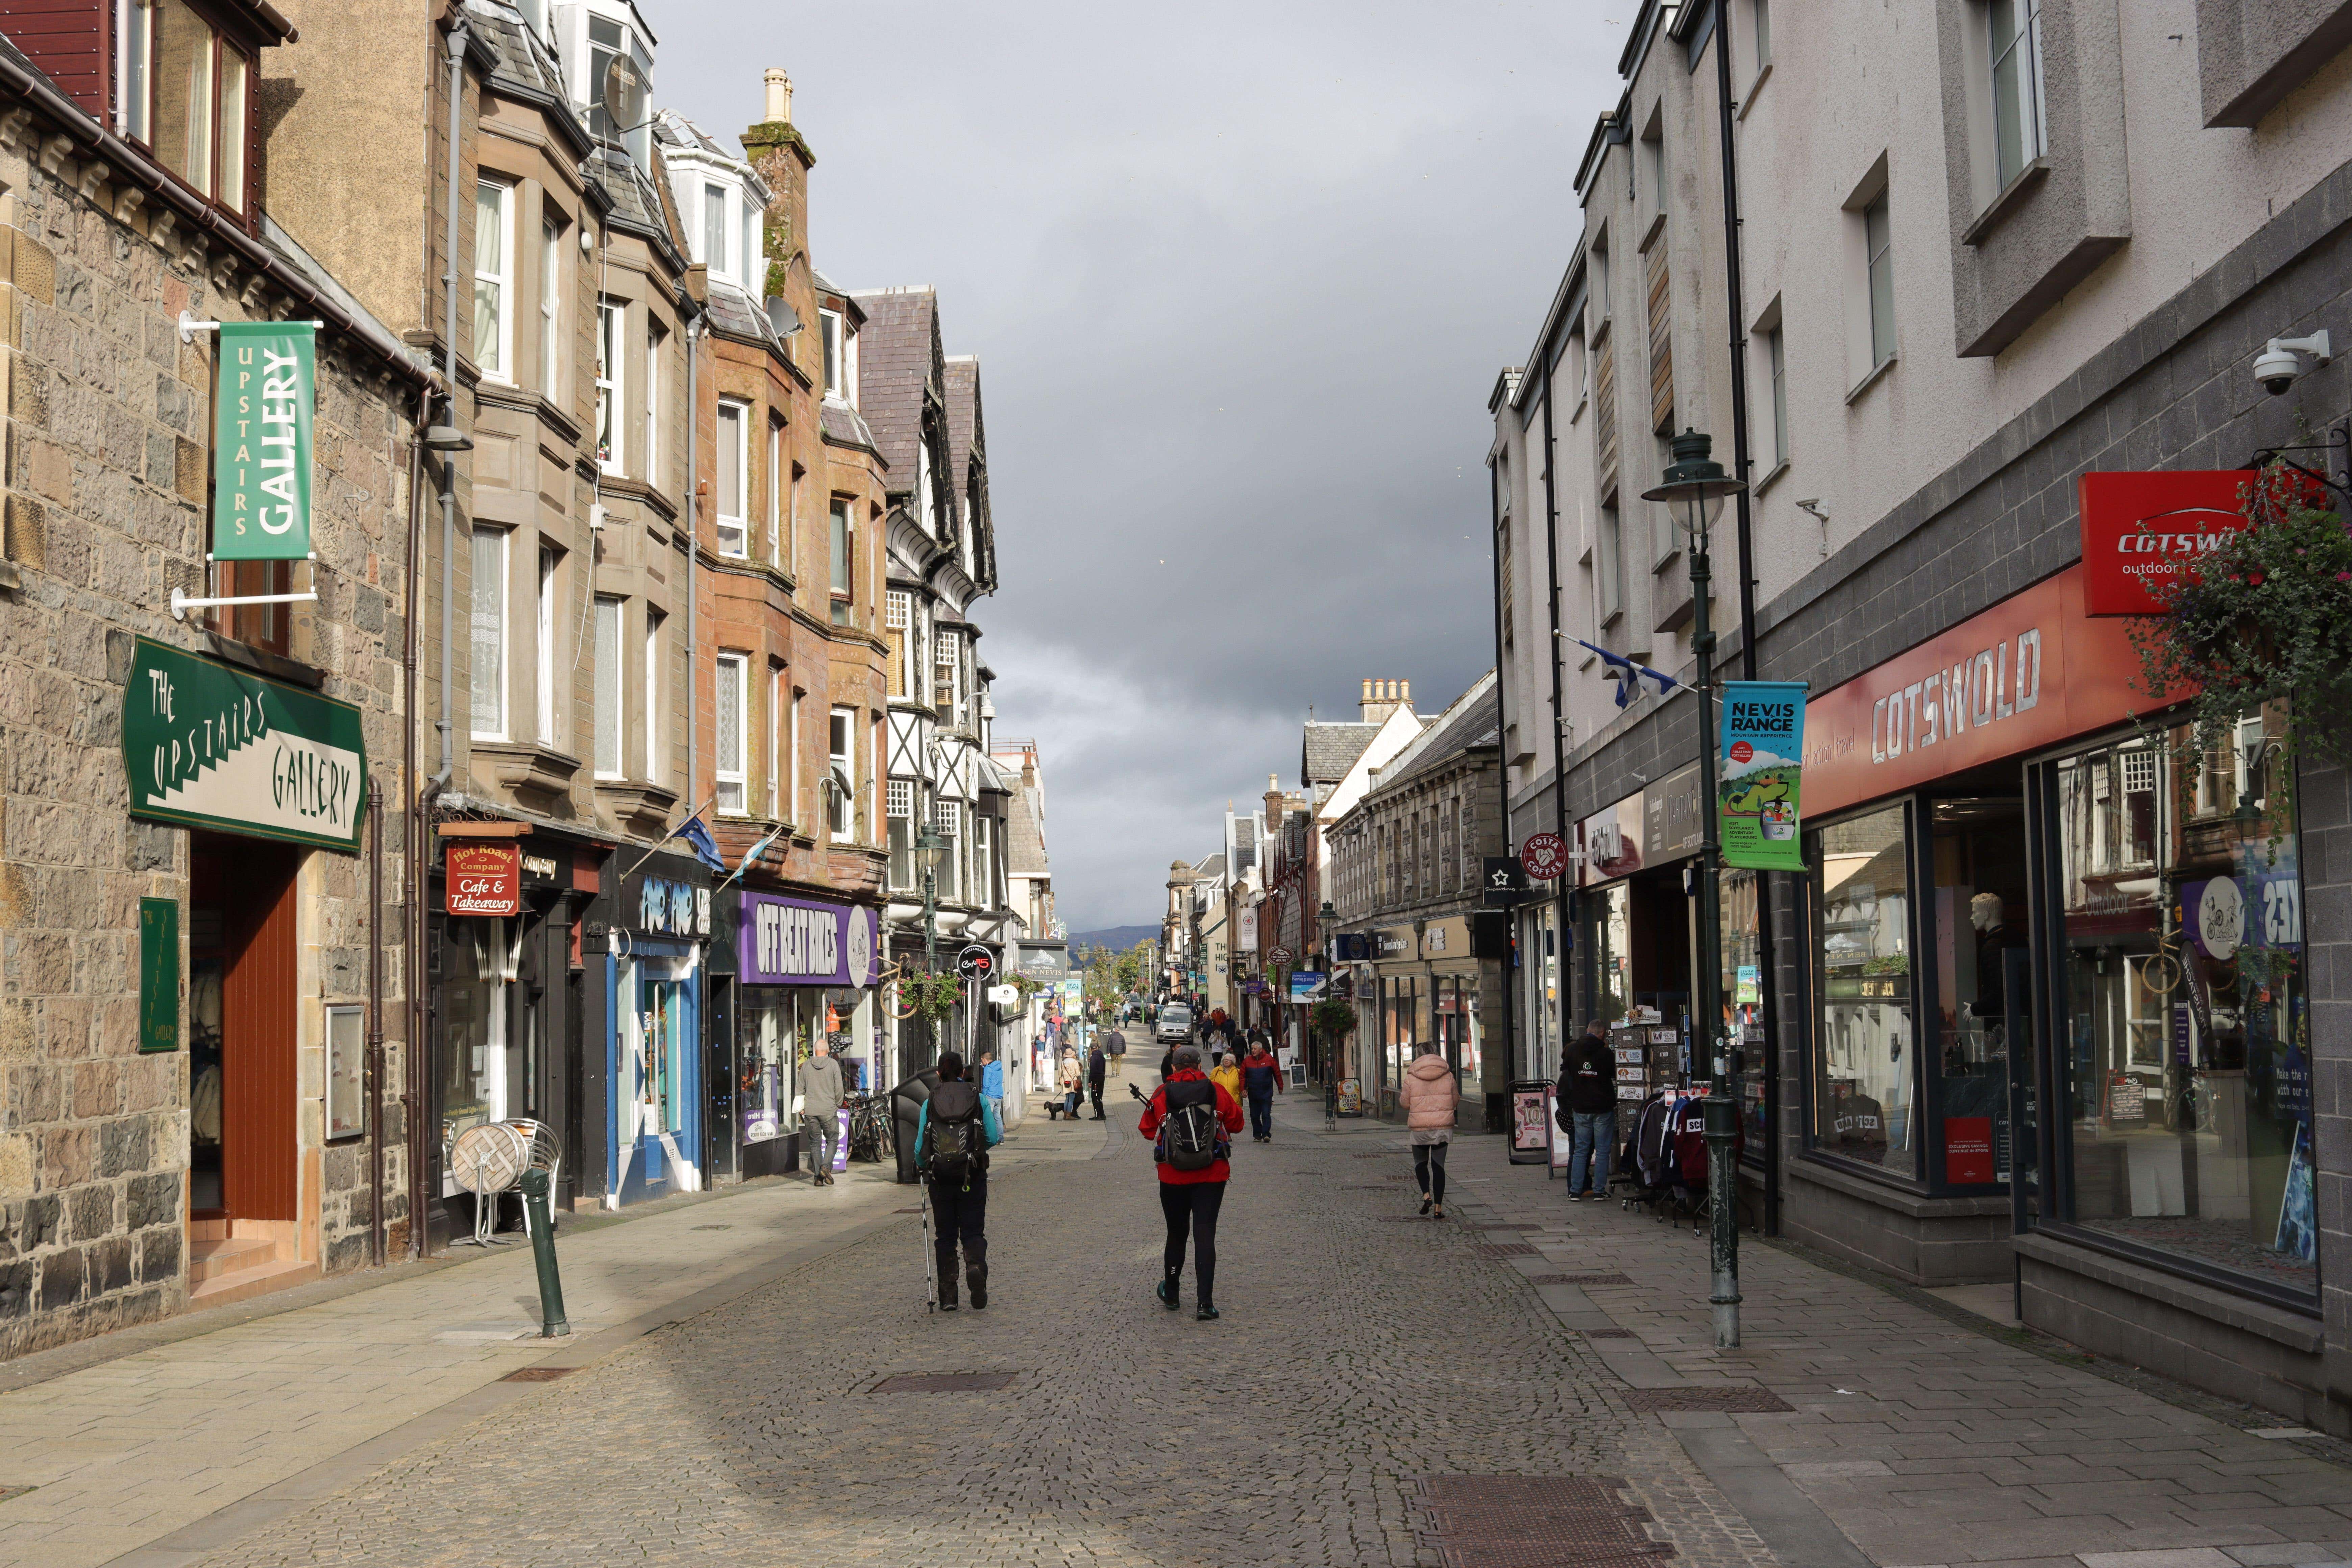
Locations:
{"points": [[2277, 370]]}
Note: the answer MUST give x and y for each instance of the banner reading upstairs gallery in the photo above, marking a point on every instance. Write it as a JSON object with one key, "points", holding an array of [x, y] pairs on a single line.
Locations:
{"points": [[262, 411]]}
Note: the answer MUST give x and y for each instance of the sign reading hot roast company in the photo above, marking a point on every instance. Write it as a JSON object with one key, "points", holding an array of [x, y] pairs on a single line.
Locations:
{"points": [[208, 745], [261, 440], [483, 879], [799, 941]]}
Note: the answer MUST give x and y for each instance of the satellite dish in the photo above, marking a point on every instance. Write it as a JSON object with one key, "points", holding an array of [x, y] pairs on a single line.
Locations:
{"points": [[624, 93]]}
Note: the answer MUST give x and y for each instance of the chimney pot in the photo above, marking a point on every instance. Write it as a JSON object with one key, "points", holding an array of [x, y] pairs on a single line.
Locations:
{"points": [[780, 95], [1368, 691], [1405, 690]]}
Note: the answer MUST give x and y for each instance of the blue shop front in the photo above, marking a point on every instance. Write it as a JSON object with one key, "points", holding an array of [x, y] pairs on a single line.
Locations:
{"points": [[656, 929]]}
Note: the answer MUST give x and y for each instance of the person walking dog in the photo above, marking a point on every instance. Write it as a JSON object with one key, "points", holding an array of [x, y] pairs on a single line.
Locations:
{"points": [[953, 1136], [1190, 1122], [1588, 1099], [820, 1113], [1428, 1095]]}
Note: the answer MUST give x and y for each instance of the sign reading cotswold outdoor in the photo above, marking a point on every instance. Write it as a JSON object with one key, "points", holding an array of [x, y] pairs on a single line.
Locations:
{"points": [[2140, 529], [1763, 765], [261, 440], [209, 745]]}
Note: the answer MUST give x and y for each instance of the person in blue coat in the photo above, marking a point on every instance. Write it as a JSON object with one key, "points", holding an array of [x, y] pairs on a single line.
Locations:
{"points": [[991, 1083]]}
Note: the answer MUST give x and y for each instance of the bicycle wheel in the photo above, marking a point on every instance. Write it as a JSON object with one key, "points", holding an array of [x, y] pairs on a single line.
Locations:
{"points": [[2162, 972]]}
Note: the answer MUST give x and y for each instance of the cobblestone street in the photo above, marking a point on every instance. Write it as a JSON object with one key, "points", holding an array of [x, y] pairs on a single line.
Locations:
{"points": [[1367, 1362]]}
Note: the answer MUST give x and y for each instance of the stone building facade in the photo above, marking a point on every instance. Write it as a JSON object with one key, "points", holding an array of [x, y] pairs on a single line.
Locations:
{"points": [[1973, 285], [195, 1148]]}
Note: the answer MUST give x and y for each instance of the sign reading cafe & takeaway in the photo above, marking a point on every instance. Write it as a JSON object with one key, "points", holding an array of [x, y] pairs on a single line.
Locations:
{"points": [[262, 412], [208, 745]]}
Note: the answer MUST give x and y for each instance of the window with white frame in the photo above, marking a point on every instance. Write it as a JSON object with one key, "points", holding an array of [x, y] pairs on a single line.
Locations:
{"points": [[1760, 29], [657, 374], [878, 762], [774, 479], [830, 321], [2019, 113], [1609, 565], [494, 205], [655, 772], [945, 666], [747, 230], [1777, 365], [792, 757], [625, 123], [777, 808], [947, 821], [487, 643], [844, 545], [898, 618], [551, 307], [717, 255], [1878, 252], [733, 501], [612, 322], [983, 885], [732, 675], [609, 678], [543, 677], [841, 788], [900, 808], [793, 524]]}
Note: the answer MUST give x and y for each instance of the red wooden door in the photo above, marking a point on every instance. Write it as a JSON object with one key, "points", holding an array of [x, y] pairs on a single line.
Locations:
{"points": [[257, 1028]]}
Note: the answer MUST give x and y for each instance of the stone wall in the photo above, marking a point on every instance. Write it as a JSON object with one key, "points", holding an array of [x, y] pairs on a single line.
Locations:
{"points": [[107, 473]]}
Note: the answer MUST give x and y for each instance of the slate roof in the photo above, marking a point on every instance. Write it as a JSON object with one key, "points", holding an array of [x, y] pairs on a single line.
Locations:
{"points": [[844, 426], [1330, 750], [523, 58], [1025, 836], [899, 356], [965, 431], [1470, 723]]}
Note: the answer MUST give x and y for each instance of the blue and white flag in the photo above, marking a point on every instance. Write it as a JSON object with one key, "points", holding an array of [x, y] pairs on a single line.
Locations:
{"points": [[1628, 674]]}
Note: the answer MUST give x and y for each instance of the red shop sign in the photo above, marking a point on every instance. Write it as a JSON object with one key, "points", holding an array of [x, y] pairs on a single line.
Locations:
{"points": [[2140, 529], [2033, 671], [1968, 1151], [483, 879]]}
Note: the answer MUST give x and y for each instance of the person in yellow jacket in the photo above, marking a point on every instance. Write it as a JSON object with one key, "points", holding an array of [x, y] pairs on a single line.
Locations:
{"points": [[1227, 1076]]}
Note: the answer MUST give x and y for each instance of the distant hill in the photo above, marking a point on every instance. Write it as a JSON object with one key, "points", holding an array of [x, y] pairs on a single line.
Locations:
{"points": [[1118, 939]]}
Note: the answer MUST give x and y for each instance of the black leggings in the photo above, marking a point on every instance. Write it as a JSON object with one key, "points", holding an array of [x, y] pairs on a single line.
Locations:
{"points": [[1429, 1169], [1192, 1206]]}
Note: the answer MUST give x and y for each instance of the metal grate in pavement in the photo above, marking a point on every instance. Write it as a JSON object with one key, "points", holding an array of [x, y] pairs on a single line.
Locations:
{"points": [[1539, 1522], [1747, 1401], [1580, 1279], [538, 1373], [1505, 1250], [1610, 1334], [943, 1381]]}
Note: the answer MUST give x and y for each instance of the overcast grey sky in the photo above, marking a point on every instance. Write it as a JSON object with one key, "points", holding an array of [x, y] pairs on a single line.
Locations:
{"points": [[1240, 276]]}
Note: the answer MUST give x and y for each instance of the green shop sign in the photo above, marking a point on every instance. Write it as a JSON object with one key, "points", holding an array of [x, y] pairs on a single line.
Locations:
{"points": [[262, 411], [209, 745]]}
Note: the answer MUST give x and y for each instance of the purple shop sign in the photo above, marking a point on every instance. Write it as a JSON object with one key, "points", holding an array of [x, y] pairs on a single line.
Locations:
{"points": [[799, 941]]}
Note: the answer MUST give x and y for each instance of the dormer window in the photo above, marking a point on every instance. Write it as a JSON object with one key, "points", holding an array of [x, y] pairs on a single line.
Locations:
{"points": [[833, 362], [185, 95], [608, 40], [714, 207]]}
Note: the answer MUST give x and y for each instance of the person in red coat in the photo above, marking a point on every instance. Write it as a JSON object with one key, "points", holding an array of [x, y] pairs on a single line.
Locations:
{"points": [[1190, 1199]]}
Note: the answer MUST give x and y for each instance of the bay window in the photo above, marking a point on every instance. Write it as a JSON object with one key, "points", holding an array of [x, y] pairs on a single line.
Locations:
{"points": [[494, 279], [608, 689], [734, 463], [655, 772], [489, 640], [611, 317], [841, 791], [842, 546], [732, 677]]}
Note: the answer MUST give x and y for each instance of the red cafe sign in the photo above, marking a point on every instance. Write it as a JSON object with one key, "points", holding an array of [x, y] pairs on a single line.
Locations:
{"points": [[483, 879], [2033, 671], [2140, 529]]}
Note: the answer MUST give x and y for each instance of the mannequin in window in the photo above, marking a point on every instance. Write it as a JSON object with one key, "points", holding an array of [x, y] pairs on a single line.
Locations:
{"points": [[1989, 1006]]}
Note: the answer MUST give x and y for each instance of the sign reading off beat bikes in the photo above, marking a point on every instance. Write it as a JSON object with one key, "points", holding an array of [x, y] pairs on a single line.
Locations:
{"points": [[1762, 767]]}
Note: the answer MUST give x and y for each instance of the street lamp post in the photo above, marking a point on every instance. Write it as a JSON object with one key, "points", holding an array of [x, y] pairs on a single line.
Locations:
{"points": [[1694, 486], [930, 849]]}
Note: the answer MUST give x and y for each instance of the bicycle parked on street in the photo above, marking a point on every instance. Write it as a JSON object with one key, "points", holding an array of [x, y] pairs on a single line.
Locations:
{"points": [[871, 1137]]}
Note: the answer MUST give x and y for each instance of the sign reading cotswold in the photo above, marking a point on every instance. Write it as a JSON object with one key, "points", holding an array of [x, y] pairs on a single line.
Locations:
{"points": [[261, 440], [2140, 530], [209, 745]]}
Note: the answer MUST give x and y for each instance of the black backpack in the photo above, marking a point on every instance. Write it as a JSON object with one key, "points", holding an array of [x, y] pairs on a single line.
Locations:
{"points": [[1191, 1139], [954, 1146]]}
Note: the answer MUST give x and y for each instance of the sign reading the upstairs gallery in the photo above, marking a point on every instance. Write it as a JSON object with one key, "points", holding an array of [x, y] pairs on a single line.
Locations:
{"points": [[207, 744], [1762, 767], [262, 412]]}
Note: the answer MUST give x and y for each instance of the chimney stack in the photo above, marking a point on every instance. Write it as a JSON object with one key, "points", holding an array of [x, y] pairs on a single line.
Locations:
{"points": [[780, 96], [1382, 698]]}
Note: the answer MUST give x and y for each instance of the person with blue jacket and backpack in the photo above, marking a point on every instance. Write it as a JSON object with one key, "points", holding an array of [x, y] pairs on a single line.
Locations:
{"points": [[953, 1133], [1192, 1122]]}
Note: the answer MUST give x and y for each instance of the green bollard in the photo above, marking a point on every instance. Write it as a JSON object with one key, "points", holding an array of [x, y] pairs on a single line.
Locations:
{"points": [[552, 1324]]}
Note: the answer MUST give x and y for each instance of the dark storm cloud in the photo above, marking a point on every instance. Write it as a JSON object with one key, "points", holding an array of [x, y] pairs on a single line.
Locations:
{"points": [[1240, 278]]}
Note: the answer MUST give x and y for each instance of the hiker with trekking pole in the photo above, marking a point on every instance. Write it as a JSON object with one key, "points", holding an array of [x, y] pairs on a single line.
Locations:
{"points": [[1194, 1121], [953, 1133]]}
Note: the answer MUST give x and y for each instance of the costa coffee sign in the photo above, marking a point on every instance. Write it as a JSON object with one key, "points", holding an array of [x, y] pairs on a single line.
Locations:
{"points": [[2033, 671], [482, 879], [2140, 530]]}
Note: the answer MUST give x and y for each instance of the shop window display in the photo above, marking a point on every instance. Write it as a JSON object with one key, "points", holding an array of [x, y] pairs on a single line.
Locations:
{"points": [[1613, 951], [1742, 955], [1862, 1059], [1980, 952], [2185, 1034], [764, 1094]]}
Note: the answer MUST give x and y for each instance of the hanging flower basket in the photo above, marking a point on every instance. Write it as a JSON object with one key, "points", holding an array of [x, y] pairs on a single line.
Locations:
{"points": [[1332, 1019], [2266, 614], [927, 996]]}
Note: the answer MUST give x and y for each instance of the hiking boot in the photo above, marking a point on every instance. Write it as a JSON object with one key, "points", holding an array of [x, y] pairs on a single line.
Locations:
{"points": [[1425, 1201], [1205, 1313], [976, 1276], [947, 1290], [1166, 1291]]}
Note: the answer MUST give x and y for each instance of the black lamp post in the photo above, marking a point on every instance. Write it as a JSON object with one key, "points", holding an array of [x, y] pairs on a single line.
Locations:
{"points": [[932, 850], [1694, 486]]}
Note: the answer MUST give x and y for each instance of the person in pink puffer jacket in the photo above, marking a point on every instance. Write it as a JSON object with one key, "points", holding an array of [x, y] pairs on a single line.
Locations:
{"points": [[1428, 1095]]}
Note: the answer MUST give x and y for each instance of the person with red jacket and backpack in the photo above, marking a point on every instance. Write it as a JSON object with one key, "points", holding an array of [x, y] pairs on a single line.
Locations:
{"points": [[1190, 1122]]}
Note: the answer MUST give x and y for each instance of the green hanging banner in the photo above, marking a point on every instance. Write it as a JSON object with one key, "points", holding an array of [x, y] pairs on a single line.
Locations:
{"points": [[1761, 769], [262, 410]]}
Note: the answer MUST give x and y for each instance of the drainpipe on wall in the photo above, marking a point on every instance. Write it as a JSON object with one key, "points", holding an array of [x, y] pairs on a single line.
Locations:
{"points": [[1741, 466], [1562, 939], [1502, 791], [412, 934], [457, 60], [693, 543]]}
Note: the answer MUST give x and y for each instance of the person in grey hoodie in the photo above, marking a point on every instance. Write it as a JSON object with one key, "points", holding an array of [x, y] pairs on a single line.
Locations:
{"points": [[820, 1113]]}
